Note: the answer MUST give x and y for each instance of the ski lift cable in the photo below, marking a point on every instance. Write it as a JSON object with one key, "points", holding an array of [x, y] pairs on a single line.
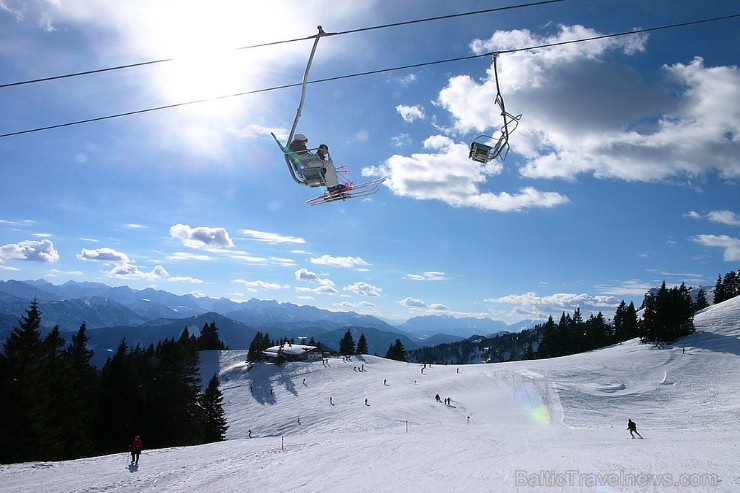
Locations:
{"points": [[285, 41], [370, 72]]}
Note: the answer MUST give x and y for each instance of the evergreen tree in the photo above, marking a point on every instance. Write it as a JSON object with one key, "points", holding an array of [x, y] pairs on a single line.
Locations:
{"points": [[22, 391], [362, 345], [257, 346], [347, 344], [121, 399], [630, 322], [529, 353], [597, 332], [81, 385], [546, 349], [618, 324], [214, 416], [667, 315], [727, 287], [254, 353], [396, 351], [719, 291], [209, 338], [172, 407], [54, 393], [701, 301]]}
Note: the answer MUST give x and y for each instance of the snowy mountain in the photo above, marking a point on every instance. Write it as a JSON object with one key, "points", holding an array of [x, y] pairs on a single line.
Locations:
{"points": [[146, 316], [430, 325], [543, 425]]}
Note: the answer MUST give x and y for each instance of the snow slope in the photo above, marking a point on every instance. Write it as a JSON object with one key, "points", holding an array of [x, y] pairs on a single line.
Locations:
{"points": [[546, 425]]}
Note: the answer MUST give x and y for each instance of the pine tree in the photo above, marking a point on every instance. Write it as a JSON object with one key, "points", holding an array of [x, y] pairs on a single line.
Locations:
{"points": [[214, 424], [347, 344], [701, 301], [546, 349], [22, 390], [53, 397], [719, 291], [209, 339], [254, 353], [81, 387], [362, 345], [667, 315], [121, 399], [727, 287], [619, 323], [172, 404], [396, 351]]}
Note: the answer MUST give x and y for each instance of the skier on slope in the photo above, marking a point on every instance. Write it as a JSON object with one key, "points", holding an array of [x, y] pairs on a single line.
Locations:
{"points": [[135, 447], [632, 427]]}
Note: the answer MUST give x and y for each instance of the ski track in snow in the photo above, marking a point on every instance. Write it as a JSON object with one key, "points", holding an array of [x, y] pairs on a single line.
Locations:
{"points": [[545, 425]]}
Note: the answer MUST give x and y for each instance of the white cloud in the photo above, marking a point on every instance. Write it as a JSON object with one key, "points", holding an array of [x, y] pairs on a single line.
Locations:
{"points": [[410, 113], [584, 115], [724, 217], [191, 280], [324, 289], [132, 271], [270, 237], [135, 226], [632, 287], [123, 267], [23, 222], [188, 256], [34, 251], [339, 261], [731, 245], [258, 285], [325, 285], [401, 140], [406, 80], [410, 302], [447, 174], [427, 276], [103, 255], [536, 306], [201, 236], [363, 289]]}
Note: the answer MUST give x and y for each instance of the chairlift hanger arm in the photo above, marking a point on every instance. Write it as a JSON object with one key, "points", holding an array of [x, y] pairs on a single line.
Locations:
{"points": [[317, 38]]}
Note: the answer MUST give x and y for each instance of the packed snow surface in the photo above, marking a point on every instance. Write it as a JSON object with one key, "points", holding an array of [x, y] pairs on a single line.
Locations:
{"points": [[373, 425]]}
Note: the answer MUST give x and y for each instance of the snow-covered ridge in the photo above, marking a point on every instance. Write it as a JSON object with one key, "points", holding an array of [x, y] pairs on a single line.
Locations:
{"points": [[369, 424]]}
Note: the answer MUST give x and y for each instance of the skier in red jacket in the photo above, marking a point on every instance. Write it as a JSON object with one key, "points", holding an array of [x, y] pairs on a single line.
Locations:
{"points": [[135, 446]]}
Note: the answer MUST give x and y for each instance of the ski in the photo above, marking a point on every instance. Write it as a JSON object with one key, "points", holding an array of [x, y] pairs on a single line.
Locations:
{"points": [[352, 191]]}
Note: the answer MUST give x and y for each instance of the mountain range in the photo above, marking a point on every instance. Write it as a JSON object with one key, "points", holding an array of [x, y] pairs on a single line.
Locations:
{"points": [[149, 315]]}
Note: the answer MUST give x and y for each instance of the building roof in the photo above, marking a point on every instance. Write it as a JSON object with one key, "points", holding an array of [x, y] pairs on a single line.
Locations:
{"points": [[290, 349]]}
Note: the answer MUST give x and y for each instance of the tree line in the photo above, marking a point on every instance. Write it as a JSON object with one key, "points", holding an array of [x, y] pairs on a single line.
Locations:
{"points": [[56, 405], [667, 315], [727, 287]]}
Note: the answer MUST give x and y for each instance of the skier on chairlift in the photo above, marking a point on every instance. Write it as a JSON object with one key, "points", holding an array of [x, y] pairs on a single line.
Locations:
{"points": [[319, 160]]}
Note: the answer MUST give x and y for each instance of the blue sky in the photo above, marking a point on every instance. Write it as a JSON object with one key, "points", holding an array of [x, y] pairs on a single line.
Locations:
{"points": [[622, 173]]}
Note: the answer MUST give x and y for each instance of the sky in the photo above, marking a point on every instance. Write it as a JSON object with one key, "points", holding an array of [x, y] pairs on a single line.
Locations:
{"points": [[554, 425], [622, 173]]}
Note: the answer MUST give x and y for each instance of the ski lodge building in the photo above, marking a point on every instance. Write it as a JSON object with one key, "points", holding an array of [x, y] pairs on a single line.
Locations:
{"points": [[294, 352]]}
